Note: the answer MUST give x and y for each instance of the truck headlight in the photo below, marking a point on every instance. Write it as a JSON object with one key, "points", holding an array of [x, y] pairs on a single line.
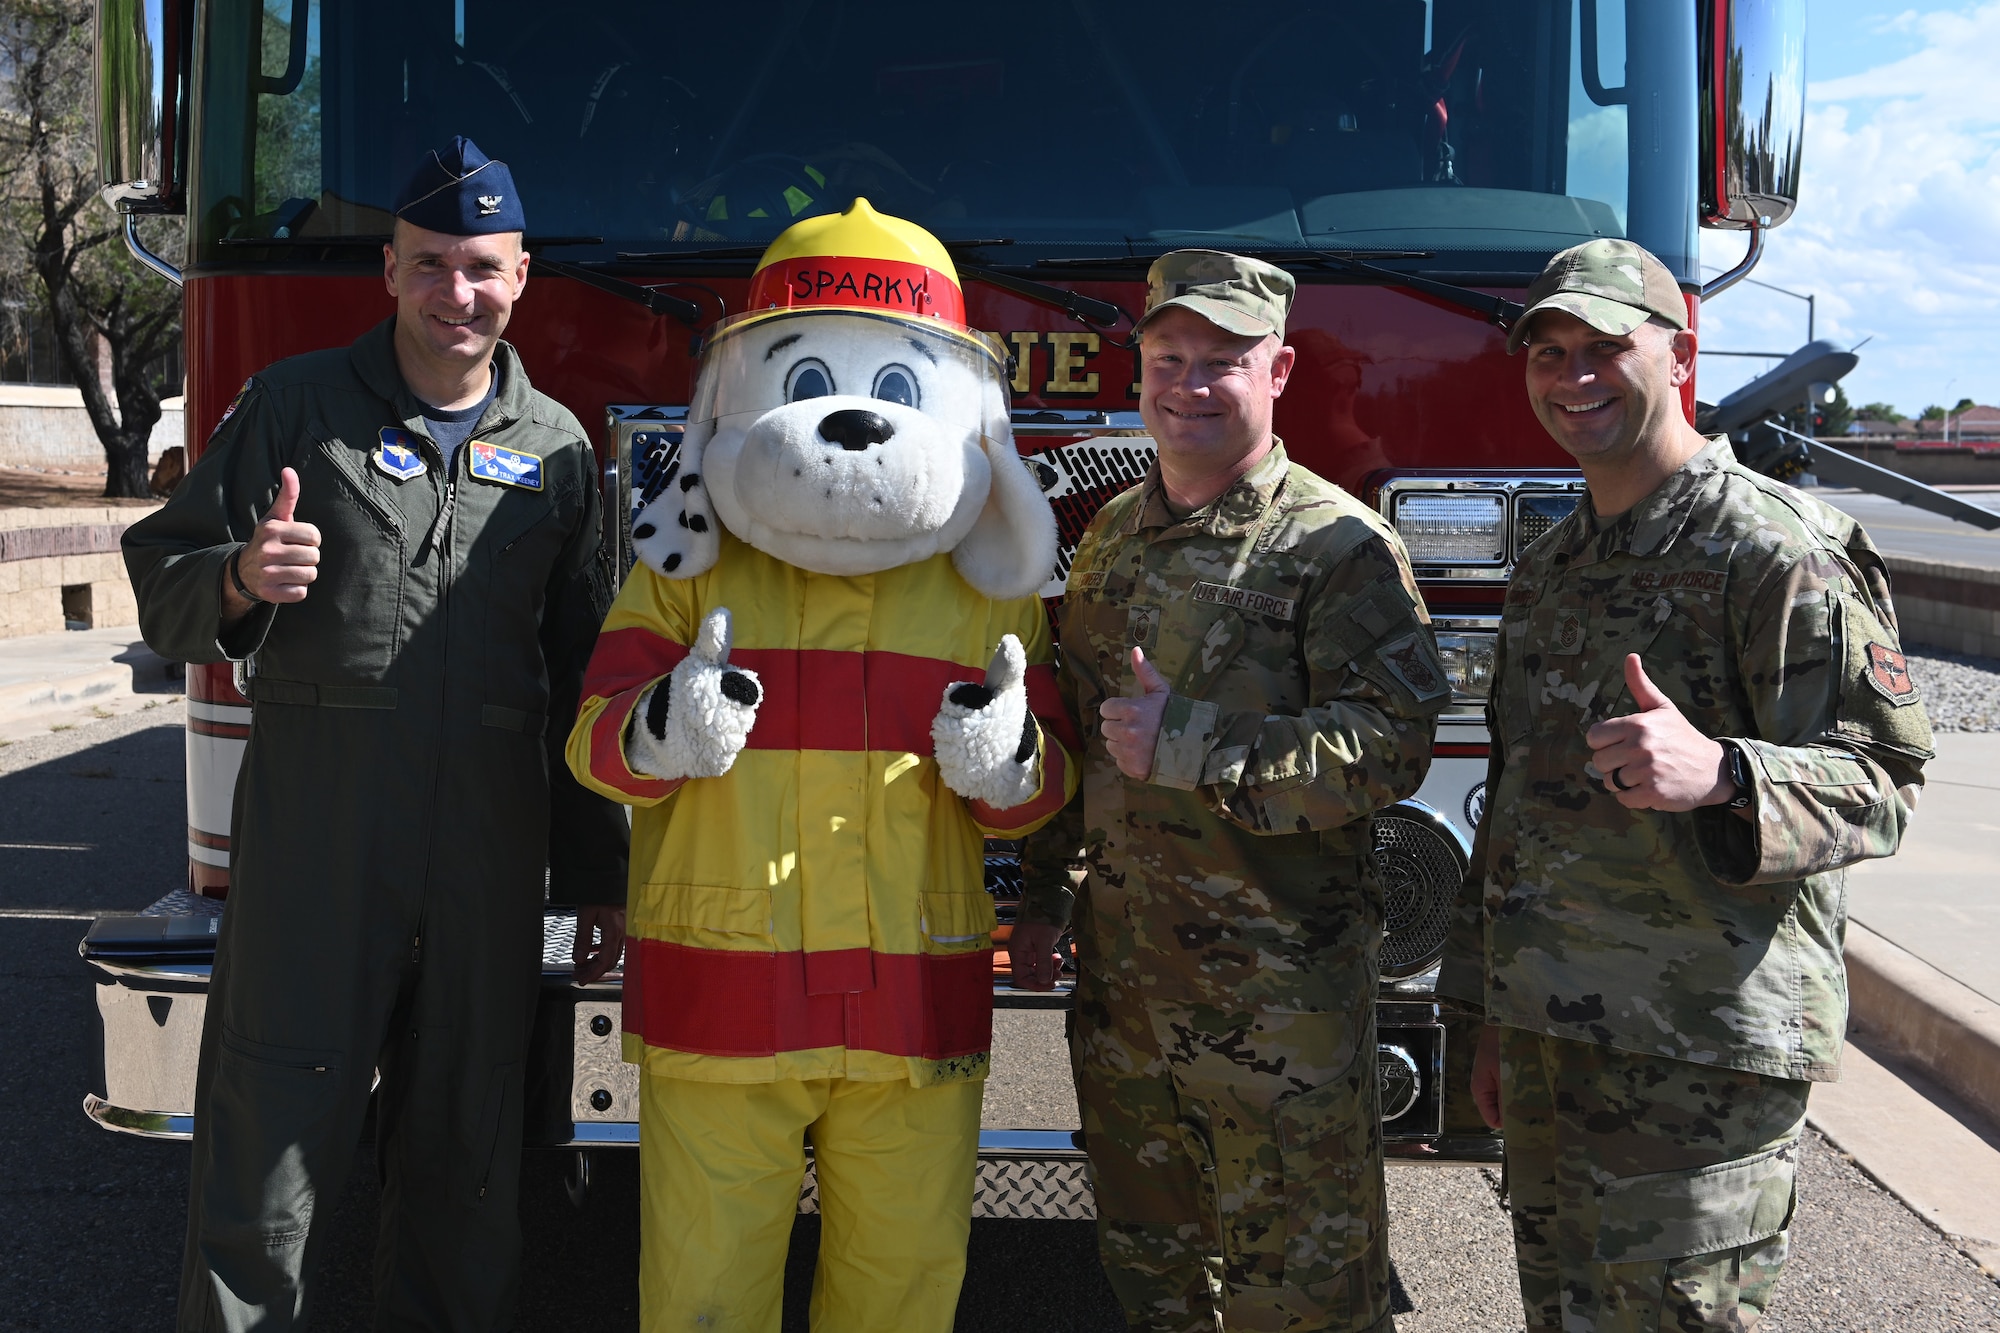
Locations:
{"points": [[1468, 663], [1535, 513], [1453, 528]]}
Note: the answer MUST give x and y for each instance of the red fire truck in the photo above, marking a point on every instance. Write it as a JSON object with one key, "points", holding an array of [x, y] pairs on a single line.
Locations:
{"points": [[1413, 162]]}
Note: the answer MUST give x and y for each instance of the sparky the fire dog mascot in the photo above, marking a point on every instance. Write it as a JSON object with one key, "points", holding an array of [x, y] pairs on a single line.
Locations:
{"points": [[826, 681]]}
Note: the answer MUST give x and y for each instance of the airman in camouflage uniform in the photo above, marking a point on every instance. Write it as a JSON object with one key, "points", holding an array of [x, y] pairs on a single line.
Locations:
{"points": [[1227, 931], [1700, 714]]}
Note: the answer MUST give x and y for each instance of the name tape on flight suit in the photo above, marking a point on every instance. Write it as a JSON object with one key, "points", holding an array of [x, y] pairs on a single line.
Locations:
{"points": [[509, 467]]}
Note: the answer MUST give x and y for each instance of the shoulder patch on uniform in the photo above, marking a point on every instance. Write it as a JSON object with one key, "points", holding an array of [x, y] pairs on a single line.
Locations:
{"points": [[1087, 582], [1246, 599], [235, 403], [509, 467], [1889, 673], [1410, 660]]}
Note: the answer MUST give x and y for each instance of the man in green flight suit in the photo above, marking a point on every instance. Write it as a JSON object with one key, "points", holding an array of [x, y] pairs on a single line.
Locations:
{"points": [[1255, 676], [401, 539], [1699, 715]]}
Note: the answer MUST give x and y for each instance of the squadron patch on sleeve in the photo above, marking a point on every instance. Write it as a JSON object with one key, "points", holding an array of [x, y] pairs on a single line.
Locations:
{"points": [[1410, 661], [1889, 673]]}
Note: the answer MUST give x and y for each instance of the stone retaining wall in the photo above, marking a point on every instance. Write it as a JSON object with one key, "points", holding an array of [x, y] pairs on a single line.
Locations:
{"points": [[1954, 607], [58, 565], [48, 428]]}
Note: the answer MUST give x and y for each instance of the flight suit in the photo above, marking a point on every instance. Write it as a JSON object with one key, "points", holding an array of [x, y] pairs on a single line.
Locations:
{"points": [[1669, 985], [1229, 926], [401, 810]]}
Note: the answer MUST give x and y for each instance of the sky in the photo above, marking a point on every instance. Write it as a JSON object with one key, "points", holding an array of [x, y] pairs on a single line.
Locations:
{"points": [[1897, 230]]}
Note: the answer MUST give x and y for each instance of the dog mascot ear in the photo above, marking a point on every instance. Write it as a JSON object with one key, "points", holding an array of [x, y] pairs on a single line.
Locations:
{"points": [[1011, 550], [676, 535]]}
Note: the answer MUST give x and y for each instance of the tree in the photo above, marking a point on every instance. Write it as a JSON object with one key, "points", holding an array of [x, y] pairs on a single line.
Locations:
{"points": [[1835, 417], [1878, 412], [54, 227], [1931, 413]]}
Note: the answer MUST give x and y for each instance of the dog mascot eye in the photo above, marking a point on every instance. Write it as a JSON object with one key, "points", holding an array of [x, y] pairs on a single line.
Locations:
{"points": [[895, 384], [808, 379]]}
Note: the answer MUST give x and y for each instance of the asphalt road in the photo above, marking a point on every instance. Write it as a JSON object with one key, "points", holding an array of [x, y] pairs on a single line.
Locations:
{"points": [[91, 1222], [1899, 529]]}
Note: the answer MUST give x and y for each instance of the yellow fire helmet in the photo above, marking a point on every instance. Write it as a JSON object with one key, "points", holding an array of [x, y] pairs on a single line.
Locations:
{"points": [[859, 260]]}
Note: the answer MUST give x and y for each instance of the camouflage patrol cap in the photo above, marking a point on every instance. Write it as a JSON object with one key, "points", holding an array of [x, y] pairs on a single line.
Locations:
{"points": [[1234, 293], [1610, 285]]}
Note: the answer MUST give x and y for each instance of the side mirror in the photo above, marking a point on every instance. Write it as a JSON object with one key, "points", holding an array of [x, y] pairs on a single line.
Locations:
{"points": [[1752, 55], [141, 57]]}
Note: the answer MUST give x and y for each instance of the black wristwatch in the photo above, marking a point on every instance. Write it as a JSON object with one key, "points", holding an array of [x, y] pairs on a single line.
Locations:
{"points": [[236, 577], [1739, 773]]}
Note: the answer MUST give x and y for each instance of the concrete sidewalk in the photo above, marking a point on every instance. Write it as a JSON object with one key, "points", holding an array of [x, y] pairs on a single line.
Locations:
{"points": [[47, 679]]}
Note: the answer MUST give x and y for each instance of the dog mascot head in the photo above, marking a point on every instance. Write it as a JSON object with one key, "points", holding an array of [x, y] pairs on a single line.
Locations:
{"points": [[852, 422]]}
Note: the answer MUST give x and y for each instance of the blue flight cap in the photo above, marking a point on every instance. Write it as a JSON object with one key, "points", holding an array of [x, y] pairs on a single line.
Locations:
{"points": [[462, 192]]}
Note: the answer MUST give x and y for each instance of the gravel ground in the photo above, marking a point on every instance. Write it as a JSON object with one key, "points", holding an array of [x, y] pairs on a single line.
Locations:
{"points": [[1961, 691]]}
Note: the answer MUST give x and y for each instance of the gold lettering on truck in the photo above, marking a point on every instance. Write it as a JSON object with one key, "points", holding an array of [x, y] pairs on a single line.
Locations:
{"points": [[1065, 361]]}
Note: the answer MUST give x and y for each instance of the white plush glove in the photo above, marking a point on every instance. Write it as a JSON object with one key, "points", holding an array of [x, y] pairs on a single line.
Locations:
{"points": [[984, 736], [693, 724]]}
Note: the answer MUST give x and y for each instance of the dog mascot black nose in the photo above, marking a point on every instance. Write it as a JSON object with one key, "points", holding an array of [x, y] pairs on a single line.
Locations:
{"points": [[855, 429]]}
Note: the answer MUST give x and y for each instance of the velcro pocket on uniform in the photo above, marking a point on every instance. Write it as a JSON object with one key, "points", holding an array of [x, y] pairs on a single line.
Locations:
{"points": [[1365, 622], [680, 913], [1327, 1144], [1706, 1210], [956, 920]]}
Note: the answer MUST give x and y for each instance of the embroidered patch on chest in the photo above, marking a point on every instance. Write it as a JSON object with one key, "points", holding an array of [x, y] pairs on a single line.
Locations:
{"points": [[1088, 583], [1567, 637], [1246, 599], [398, 455], [1889, 673], [1700, 580], [509, 467]]}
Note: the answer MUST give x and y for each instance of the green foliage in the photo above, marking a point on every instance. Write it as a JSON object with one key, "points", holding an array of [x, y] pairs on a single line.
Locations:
{"points": [[1837, 415], [1931, 413], [1878, 412]]}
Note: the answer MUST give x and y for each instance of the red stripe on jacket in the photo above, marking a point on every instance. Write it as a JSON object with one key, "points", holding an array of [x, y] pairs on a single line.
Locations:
{"points": [[738, 1003], [810, 694]]}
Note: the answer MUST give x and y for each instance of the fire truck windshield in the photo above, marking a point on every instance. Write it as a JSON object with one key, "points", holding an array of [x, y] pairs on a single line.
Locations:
{"points": [[1485, 132]]}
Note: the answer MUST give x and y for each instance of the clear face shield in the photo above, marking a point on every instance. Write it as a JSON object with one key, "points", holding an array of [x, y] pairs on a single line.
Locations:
{"points": [[844, 426]]}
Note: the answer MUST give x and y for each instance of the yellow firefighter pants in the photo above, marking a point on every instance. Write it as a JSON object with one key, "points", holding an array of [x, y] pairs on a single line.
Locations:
{"points": [[720, 1170]]}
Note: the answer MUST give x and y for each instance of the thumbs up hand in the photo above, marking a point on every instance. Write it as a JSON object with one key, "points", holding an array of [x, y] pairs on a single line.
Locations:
{"points": [[1654, 759], [984, 738], [1132, 725], [695, 721], [281, 559]]}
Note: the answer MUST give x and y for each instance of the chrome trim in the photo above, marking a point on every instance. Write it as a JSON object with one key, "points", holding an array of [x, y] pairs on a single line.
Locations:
{"points": [[145, 256], [1513, 485], [142, 1124], [1751, 96], [1006, 997], [1405, 1063], [1041, 1144], [130, 85], [1067, 421], [1724, 281], [622, 421], [183, 973]]}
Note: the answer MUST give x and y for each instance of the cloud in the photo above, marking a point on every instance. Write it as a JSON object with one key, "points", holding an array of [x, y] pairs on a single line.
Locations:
{"points": [[1898, 226]]}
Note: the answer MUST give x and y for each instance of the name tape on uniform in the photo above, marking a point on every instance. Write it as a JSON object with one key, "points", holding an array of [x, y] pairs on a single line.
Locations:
{"points": [[509, 467], [1246, 599]]}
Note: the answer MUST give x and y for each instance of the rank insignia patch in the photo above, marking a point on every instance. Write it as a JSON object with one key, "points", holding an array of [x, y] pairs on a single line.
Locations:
{"points": [[1568, 636], [509, 467], [1889, 673], [398, 456]]}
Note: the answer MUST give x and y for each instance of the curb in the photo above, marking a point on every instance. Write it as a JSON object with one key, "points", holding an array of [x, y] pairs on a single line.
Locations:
{"points": [[38, 696], [1943, 1027]]}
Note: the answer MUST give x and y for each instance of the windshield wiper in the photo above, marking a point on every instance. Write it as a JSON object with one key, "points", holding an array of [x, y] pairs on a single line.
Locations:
{"points": [[1494, 309]]}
